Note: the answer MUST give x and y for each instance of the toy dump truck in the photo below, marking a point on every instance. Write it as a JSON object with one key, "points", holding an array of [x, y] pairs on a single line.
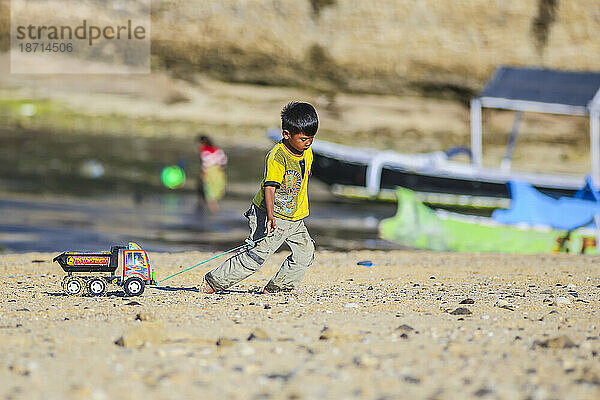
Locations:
{"points": [[90, 272]]}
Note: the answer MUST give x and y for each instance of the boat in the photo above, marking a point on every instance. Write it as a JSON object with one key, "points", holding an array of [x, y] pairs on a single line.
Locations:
{"points": [[434, 177], [529, 206], [437, 179], [417, 226]]}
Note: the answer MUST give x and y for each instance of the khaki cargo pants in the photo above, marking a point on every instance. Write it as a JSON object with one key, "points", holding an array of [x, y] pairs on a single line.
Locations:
{"points": [[247, 262]]}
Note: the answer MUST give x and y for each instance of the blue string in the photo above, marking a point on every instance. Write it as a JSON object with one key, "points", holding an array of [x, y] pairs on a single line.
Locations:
{"points": [[210, 259]]}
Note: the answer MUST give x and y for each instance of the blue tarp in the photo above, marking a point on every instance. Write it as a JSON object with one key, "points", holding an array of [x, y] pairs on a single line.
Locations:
{"points": [[534, 208]]}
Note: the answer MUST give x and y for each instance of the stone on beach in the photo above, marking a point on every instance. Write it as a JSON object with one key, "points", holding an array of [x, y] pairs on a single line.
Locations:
{"points": [[559, 342], [258, 334], [461, 311], [147, 334], [562, 301]]}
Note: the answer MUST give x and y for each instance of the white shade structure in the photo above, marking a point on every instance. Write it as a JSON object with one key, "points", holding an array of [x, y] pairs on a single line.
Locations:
{"points": [[543, 91]]}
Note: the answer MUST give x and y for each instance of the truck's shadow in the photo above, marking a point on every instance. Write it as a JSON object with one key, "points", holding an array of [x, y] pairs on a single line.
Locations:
{"points": [[196, 290], [107, 294], [55, 294], [175, 289]]}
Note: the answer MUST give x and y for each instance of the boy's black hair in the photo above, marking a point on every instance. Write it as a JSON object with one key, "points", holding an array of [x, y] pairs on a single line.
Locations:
{"points": [[299, 117]]}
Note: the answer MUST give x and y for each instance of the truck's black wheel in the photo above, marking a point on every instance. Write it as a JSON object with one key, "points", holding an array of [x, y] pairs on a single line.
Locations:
{"points": [[63, 284], [96, 287], [73, 286], [134, 286]]}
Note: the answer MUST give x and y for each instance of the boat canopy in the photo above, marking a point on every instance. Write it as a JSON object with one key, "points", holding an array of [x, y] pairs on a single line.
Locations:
{"points": [[538, 90]]}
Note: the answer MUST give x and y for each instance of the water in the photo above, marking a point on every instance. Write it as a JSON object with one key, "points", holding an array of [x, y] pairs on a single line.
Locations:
{"points": [[172, 222], [48, 203]]}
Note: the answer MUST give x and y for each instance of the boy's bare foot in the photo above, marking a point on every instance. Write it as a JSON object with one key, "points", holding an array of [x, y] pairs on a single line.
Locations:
{"points": [[205, 288], [265, 291]]}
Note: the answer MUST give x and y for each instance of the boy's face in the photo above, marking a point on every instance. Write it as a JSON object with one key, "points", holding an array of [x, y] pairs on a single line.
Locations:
{"points": [[298, 141]]}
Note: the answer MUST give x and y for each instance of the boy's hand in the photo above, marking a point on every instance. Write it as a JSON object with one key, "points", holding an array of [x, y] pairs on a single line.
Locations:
{"points": [[271, 225], [269, 203]]}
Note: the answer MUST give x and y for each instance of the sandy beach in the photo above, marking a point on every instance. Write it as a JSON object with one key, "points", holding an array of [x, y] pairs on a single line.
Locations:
{"points": [[414, 325]]}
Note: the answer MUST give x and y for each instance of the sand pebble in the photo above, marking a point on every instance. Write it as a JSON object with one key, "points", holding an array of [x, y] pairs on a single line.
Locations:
{"points": [[589, 374], [365, 361], [559, 342], [258, 334], [405, 328], [562, 301], [144, 316], [146, 334], [225, 342], [461, 311], [502, 303], [247, 350], [351, 305], [329, 333]]}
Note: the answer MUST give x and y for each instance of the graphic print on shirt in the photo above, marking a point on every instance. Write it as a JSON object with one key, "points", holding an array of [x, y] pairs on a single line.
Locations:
{"points": [[286, 197]]}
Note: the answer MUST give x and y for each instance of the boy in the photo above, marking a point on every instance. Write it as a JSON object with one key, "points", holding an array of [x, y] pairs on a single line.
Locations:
{"points": [[278, 209]]}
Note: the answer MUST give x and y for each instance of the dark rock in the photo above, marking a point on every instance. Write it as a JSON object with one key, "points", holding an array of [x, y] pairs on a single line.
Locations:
{"points": [[283, 377], [461, 311], [23, 309], [482, 392], [411, 379], [467, 301], [133, 303]]}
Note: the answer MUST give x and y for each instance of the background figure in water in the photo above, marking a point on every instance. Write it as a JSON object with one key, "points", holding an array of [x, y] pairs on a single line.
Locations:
{"points": [[211, 185]]}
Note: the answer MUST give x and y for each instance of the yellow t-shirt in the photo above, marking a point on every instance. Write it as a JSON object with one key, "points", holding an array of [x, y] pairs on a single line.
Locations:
{"points": [[289, 174]]}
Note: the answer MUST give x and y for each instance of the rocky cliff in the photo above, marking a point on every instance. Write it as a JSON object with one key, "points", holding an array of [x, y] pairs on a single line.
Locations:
{"points": [[385, 46]]}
